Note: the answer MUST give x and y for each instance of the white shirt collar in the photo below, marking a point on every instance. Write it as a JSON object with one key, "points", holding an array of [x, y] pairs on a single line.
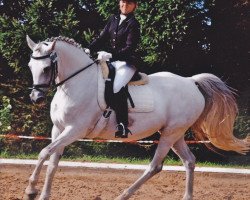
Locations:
{"points": [[122, 18]]}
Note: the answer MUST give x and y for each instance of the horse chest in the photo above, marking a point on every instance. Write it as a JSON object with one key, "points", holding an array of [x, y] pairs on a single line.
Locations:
{"points": [[61, 110]]}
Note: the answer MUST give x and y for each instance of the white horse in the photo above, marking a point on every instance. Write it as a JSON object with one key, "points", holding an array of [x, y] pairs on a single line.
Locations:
{"points": [[179, 104]]}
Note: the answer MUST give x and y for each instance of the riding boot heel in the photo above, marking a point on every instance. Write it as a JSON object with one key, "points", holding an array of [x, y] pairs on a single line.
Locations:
{"points": [[122, 131]]}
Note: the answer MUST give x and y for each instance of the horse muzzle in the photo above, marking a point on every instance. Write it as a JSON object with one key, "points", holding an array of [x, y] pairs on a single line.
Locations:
{"points": [[37, 96]]}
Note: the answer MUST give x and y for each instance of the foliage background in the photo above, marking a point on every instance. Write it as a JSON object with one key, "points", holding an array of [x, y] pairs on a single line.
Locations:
{"points": [[183, 37]]}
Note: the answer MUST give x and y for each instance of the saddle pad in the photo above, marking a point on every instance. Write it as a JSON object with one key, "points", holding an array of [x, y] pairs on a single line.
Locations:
{"points": [[141, 95]]}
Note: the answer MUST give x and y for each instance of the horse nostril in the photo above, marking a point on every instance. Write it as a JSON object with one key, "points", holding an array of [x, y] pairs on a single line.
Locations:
{"points": [[39, 100]]}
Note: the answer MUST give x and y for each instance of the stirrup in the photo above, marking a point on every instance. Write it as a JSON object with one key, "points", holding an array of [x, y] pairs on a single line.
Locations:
{"points": [[122, 131]]}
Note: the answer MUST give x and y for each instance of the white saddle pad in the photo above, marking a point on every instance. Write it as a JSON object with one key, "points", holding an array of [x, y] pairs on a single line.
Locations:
{"points": [[141, 95]]}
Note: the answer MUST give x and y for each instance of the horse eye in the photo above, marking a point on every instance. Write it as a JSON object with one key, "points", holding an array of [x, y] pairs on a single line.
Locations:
{"points": [[46, 69]]}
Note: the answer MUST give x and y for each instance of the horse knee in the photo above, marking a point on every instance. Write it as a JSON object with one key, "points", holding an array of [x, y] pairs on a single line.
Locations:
{"points": [[190, 163]]}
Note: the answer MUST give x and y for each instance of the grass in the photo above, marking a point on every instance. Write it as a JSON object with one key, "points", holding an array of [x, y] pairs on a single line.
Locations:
{"points": [[121, 160]]}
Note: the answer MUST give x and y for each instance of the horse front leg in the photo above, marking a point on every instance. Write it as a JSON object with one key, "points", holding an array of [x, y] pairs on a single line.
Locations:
{"points": [[51, 170], [68, 136], [154, 168], [52, 167], [31, 191], [188, 160]]}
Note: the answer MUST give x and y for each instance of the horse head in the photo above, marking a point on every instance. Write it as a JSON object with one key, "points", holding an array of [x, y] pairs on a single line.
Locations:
{"points": [[41, 66], [55, 61]]}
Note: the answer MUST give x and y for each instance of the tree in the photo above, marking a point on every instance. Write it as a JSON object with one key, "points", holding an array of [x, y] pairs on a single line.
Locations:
{"points": [[41, 19], [230, 43], [13, 8]]}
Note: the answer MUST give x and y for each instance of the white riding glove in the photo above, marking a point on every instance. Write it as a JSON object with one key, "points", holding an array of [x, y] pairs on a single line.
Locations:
{"points": [[87, 51], [104, 56]]}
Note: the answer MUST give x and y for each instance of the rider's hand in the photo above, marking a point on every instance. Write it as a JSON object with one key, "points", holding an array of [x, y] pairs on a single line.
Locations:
{"points": [[104, 56], [87, 51]]}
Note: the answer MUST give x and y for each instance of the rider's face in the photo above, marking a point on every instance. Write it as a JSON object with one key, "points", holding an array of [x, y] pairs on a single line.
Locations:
{"points": [[127, 7]]}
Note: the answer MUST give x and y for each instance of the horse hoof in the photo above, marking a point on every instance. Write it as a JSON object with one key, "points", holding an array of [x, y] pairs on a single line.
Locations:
{"points": [[120, 198], [187, 198], [30, 196]]}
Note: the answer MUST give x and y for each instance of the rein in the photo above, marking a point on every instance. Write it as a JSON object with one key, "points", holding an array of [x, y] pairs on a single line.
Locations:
{"points": [[77, 72], [54, 66]]}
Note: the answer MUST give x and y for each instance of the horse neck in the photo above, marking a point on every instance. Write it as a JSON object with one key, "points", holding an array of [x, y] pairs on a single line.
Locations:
{"points": [[70, 60]]}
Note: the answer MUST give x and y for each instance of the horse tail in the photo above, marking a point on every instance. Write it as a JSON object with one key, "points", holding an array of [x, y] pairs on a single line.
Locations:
{"points": [[218, 117]]}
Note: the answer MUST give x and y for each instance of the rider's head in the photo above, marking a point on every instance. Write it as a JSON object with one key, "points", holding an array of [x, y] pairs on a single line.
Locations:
{"points": [[127, 6]]}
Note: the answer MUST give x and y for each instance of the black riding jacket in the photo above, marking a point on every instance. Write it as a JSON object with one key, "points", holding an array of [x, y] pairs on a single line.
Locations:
{"points": [[120, 40]]}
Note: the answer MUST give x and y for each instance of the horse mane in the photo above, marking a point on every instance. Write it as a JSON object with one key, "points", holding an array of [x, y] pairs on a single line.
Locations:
{"points": [[65, 39]]}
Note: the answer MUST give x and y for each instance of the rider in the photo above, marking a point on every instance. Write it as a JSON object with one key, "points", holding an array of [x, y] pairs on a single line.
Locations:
{"points": [[120, 37]]}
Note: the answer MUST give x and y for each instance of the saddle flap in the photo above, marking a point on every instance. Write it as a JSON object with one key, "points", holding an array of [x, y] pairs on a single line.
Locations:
{"points": [[142, 95]]}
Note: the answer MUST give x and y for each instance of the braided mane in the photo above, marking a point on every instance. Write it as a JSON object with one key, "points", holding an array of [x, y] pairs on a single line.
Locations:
{"points": [[65, 39]]}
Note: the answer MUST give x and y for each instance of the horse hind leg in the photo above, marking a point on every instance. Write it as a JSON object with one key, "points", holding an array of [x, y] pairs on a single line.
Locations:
{"points": [[188, 160], [155, 166]]}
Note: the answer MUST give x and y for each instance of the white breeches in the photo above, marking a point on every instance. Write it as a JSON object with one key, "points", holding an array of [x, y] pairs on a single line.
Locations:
{"points": [[123, 75]]}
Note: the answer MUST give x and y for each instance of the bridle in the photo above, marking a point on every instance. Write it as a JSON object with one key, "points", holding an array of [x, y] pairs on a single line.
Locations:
{"points": [[53, 66], [54, 71]]}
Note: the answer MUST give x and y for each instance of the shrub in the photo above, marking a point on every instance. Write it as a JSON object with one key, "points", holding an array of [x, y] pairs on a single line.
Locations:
{"points": [[5, 115]]}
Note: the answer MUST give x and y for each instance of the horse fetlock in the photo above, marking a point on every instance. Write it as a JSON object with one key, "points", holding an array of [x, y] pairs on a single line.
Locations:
{"points": [[31, 187], [30, 190], [29, 196]]}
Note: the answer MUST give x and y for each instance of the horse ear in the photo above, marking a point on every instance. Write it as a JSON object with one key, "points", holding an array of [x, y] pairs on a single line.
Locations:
{"points": [[52, 46], [30, 43]]}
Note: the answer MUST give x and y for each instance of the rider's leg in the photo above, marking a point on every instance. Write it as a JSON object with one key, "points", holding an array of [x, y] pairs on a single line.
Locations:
{"points": [[120, 73], [123, 74], [121, 110], [118, 102], [109, 94]]}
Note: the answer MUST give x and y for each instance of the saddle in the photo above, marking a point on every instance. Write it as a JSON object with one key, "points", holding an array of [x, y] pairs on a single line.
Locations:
{"points": [[139, 90]]}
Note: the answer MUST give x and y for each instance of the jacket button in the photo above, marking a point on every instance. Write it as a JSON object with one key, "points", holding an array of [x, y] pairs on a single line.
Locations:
{"points": [[114, 40], [115, 33]]}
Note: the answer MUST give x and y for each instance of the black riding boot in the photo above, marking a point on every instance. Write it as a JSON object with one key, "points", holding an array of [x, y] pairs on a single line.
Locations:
{"points": [[121, 109]]}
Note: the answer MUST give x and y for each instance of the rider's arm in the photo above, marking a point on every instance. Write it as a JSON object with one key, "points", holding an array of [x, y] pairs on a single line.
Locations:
{"points": [[102, 38]]}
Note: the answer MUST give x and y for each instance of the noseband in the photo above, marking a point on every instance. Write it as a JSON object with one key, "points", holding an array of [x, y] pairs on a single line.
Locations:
{"points": [[54, 67]]}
